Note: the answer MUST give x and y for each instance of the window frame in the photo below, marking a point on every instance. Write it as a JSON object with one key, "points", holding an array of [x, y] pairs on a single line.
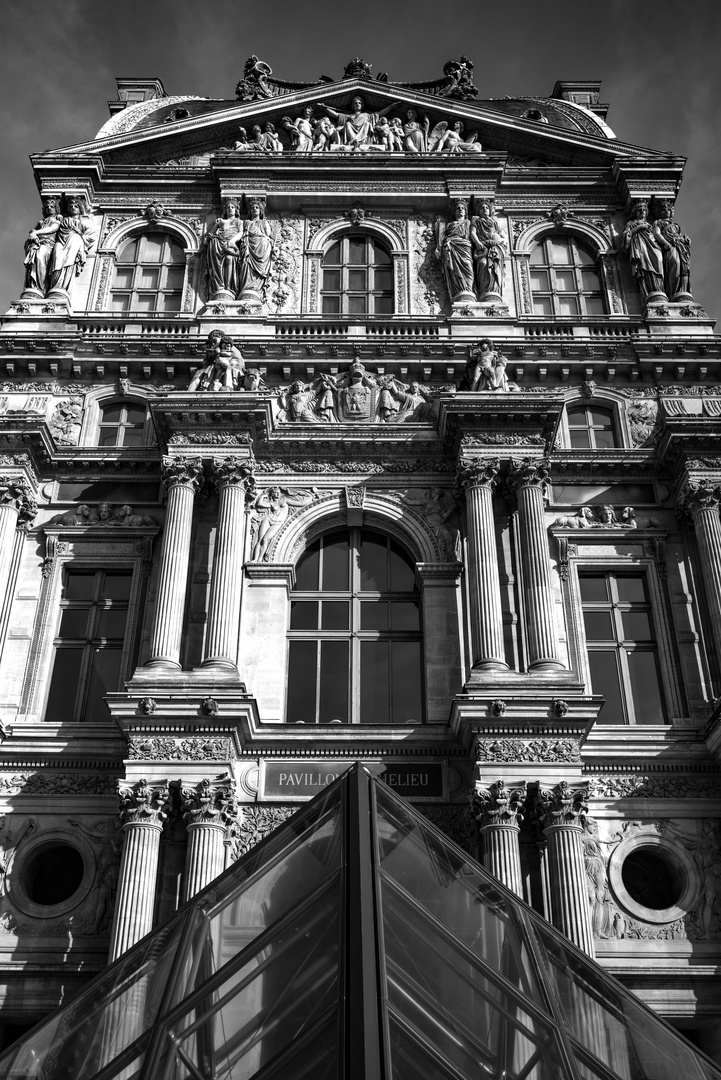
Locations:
{"points": [[576, 268], [96, 402], [601, 405], [356, 635], [124, 404], [135, 289], [344, 268]]}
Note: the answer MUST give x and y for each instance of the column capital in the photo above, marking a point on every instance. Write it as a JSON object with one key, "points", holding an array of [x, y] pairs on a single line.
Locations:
{"points": [[560, 805], [233, 470], [497, 804], [208, 804], [15, 491], [143, 804], [697, 495], [186, 471], [478, 472], [529, 472]]}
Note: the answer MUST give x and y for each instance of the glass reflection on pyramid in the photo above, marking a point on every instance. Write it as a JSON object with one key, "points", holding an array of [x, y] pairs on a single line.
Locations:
{"points": [[355, 942]]}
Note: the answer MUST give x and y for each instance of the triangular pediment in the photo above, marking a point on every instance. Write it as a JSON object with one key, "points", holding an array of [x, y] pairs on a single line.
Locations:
{"points": [[564, 134]]}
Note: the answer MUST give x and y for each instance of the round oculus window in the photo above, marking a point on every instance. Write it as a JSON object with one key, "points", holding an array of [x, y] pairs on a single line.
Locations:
{"points": [[52, 873], [652, 878]]}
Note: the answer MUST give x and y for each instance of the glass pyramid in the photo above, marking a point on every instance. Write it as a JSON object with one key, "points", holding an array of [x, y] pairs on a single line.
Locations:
{"points": [[355, 943]]}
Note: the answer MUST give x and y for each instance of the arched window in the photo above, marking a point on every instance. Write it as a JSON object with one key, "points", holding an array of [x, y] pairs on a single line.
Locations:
{"points": [[357, 277], [149, 274], [122, 423], [355, 643], [591, 426], [564, 278]]}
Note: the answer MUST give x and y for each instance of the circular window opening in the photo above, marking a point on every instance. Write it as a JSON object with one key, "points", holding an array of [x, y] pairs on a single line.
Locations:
{"points": [[52, 873], [652, 878]]}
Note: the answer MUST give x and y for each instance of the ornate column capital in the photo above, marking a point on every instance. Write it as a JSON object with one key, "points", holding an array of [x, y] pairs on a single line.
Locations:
{"points": [[478, 472], [528, 472], [233, 470], [15, 491], [208, 804], [497, 804], [560, 805], [143, 804], [186, 471], [697, 495]]}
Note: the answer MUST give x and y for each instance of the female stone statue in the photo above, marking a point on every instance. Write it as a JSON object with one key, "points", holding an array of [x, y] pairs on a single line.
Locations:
{"points": [[222, 255], [456, 255], [489, 256], [676, 253], [256, 251], [644, 252], [301, 130], [73, 240], [39, 246], [416, 135]]}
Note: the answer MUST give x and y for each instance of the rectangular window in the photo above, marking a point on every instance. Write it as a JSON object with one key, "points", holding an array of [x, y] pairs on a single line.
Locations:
{"points": [[622, 648], [89, 645]]}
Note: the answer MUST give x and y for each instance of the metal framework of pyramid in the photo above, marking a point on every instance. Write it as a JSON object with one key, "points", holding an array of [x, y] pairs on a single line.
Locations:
{"points": [[356, 942]]}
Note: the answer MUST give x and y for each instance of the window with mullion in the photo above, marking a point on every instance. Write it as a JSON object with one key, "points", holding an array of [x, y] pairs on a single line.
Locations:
{"points": [[89, 643], [591, 427], [149, 275], [354, 642], [121, 424], [565, 279], [622, 648], [357, 277]]}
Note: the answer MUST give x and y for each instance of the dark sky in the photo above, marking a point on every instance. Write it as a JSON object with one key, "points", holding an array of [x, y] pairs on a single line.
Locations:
{"points": [[659, 62]]}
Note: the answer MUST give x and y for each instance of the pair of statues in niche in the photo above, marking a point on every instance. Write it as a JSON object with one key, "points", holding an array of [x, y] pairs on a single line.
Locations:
{"points": [[356, 396], [659, 252], [238, 253], [57, 249], [361, 131], [472, 252]]}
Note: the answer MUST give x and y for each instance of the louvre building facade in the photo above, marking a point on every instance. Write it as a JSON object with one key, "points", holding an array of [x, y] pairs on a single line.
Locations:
{"points": [[347, 421]]}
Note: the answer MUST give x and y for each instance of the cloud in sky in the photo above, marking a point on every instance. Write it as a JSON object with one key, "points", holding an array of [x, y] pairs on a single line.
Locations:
{"points": [[658, 62]]}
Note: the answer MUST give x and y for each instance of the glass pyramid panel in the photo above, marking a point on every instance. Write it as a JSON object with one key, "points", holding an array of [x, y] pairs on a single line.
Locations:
{"points": [[355, 943]]}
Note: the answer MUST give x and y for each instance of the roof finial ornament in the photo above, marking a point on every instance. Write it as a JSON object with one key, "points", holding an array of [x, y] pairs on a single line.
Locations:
{"points": [[357, 69], [254, 84], [459, 74]]}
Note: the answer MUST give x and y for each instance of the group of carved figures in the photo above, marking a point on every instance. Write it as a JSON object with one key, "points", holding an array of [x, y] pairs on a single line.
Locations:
{"points": [[238, 254], [57, 249], [660, 254], [360, 131], [472, 252]]}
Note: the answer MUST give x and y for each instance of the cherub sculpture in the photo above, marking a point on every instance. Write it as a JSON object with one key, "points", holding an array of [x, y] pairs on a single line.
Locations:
{"points": [[224, 366]]}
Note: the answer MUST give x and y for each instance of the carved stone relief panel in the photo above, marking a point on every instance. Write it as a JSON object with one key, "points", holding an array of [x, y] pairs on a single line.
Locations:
{"points": [[429, 295]]}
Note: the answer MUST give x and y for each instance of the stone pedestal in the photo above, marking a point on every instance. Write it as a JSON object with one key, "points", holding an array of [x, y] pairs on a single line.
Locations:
{"points": [[560, 811], [182, 478], [221, 643], [527, 480], [208, 810], [478, 480], [499, 812], [144, 810]]}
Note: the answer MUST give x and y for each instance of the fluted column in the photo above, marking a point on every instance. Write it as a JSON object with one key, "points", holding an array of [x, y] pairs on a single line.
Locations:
{"points": [[478, 479], [221, 643], [17, 509], [144, 809], [208, 809], [560, 811], [527, 480], [499, 812], [182, 478], [701, 499]]}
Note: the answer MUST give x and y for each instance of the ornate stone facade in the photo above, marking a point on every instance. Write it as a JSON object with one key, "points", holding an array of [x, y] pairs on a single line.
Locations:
{"points": [[404, 404]]}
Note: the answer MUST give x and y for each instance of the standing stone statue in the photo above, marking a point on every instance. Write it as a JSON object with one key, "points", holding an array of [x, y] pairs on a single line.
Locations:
{"points": [[256, 253], [455, 253], [644, 252], [74, 240], [676, 253], [301, 130], [39, 247], [489, 256], [222, 254]]}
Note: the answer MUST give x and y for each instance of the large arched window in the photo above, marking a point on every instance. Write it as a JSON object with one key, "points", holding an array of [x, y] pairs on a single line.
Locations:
{"points": [[149, 274], [357, 277], [591, 427], [564, 278], [355, 644]]}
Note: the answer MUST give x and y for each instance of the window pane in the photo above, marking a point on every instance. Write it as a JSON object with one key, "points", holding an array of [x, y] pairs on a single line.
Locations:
{"points": [[558, 248], [565, 281], [148, 278], [542, 305], [580, 438], [79, 585], [334, 681], [174, 278], [605, 680], [74, 623], [146, 302], [104, 677], [132, 437], [584, 256], [306, 573], [302, 661], [332, 255], [539, 280], [594, 588], [578, 417], [591, 281], [600, 417], [151, 249], [598, 626], [357, 280], [631, 588], [374, 563], [123, 278], [356, 249], [335, 563], [594, 305], [116, 586], [128, 252], [605, 440], [403, 573], [645, 687], [636, 626], [331, 305], [111, 623], [405, 616], [374, 683], [112, 414], [170, 301], [119, 302], [538, 257], [174, 252], [64, 686], [567, 305], [380, 255], [304, 615], [335, 615], [406, 681], [374, 615], [358, 305], [383, 280], [383, 305], [331, 280], [108, 436]]}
